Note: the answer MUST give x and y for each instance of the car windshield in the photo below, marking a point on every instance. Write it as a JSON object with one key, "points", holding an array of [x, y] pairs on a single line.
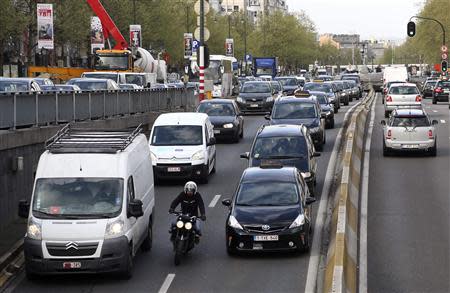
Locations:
{"points": [[287, 81], [112, 76], [409, 121], [267, 194], [294, 111], [403, 90], [322, 99], [91, 85], [276, 86], [318, 87], [13, 86], [251, 87], [445, 84], [353, 78], [105, 62], [177, 135], [77, 197], [135, 79], [216, 109], [280, 147]]}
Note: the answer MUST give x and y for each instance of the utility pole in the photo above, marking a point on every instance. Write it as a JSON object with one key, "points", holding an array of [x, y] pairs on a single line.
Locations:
{"points": [[245, 37], [134, 11], [202, 51]]}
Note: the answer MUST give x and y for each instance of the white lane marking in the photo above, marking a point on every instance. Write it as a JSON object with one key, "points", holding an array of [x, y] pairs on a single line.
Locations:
{"points": [[435, 111], [215, 200], [442, 121], [314, 259], [364, 207], [165, 286]]}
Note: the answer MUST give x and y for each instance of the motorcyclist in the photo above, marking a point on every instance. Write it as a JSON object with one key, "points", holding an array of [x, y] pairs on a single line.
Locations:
{"points": [[191, 202]]}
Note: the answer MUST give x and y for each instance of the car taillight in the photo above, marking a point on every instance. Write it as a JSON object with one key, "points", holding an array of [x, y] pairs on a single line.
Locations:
{"points": [[389, 134], [385, 91], [418, 98], [430, 133], [438, 90], [388, 99]]}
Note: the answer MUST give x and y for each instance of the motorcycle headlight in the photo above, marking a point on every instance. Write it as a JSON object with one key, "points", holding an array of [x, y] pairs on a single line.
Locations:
{"points": [[114, 229], [200, 155], [232, 222], [239, 100], [342, 94], [228, 125], [328, 113], [298, 222], [180, 224], [34, 230], [188, 226], [269, 99], [153, 157]]}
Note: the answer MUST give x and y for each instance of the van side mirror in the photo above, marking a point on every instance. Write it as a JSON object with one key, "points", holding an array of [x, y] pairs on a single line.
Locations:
{"points": [[435, 122], [135, 209], [226, 202], [316, 154], [383, 122], [212, 141], [24, 208], [267, 116], [245, 155], [310, 200]]}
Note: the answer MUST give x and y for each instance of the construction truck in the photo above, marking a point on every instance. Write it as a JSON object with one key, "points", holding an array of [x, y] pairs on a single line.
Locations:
{"points": [[120, 58]]}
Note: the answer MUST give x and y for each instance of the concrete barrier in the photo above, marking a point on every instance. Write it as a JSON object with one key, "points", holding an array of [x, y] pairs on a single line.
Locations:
{"points": [[342, 257]]}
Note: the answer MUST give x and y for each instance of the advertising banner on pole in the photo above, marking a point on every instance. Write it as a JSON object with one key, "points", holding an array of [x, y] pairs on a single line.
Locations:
{"points": [[135, 35], [97, 37], [188, 45], [229, 47], [45, 26]]}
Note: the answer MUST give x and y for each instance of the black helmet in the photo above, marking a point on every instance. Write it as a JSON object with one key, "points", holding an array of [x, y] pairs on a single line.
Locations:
{"points": [[190, 187]]}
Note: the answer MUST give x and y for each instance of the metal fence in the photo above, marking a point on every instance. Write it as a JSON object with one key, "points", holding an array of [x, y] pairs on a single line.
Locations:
{"points": [[34, 109]]}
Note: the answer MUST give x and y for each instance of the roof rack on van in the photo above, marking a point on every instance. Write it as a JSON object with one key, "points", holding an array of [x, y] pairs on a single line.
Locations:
{"points": [[79, 140]]}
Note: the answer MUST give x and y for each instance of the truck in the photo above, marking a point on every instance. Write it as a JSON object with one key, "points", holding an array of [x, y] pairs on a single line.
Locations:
{"points": [[265, 66]]}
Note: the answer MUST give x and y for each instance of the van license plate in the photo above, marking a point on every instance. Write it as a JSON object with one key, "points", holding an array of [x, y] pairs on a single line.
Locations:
{"points": [[216, 131], [173, 169], [266, 238], [71, 265], [254, 105]]}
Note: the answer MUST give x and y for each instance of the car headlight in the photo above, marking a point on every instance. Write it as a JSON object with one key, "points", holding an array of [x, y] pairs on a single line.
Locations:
{"points": [[306, 175], [228, 125], [188, 226], [180, 224], [153, 157], [34, 230], [232, 222], [328, 113], [298, 222], [114, 229], [269, 99], [342, 94], [239, 100], [314, 129], [200, 155]]}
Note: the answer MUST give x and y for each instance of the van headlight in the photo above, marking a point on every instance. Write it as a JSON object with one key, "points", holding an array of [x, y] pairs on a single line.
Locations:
{"points": [[298, 222], [239, 100], [269, 99], [188, 226], [228, 125], [200, 155], [233, 223], [153, 157], [114, 229], [34, 230]]}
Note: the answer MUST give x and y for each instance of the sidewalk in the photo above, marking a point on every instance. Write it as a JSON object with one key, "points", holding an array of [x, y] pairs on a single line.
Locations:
{"points": [[13, 233]]}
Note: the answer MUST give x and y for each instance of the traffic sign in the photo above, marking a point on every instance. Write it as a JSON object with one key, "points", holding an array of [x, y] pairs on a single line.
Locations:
{"points": [[195, 45], [205, 7], [197, 34], [444, 56], [248, 58], [444, 49]]}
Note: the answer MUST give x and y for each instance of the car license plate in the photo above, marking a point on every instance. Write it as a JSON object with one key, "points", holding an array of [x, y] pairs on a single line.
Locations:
{"points": [[216, 131], [265, 238], [410, 146], [446, 91], [173, 169], [254, 105], [71, 265]]}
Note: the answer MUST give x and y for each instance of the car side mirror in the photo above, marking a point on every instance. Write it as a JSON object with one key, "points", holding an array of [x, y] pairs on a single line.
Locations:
{"points": [[267, 116], [24, 209], [245, 155], [316, 154], [135, 209], [383, 122], [310, 200], [212, 141], [226, 202], [435, 122]]}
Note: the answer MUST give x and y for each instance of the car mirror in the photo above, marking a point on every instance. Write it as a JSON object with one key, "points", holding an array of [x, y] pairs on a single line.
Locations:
{"points": [[435, 122], [212, 141], [226, 202], [135, 208], [383, 122], [24, 208], [245, 155], [310, 200], [267, 117], [316, 154]]}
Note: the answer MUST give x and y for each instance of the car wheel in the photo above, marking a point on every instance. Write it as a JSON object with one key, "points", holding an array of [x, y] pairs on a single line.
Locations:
{"points": [[308, 241], [386, 114], [148, 241], [214, 168], [242, 132], [434, 101], [336, 109], [382, 100], [204, 178], [319, 147], [29, 275], [128, 272], [332, 123], [236, 137], [346, 102], [386, 151], [433, 150]]}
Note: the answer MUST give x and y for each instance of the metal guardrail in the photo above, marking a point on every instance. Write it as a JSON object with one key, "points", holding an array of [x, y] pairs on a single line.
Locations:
{"points": [[45, 108]]}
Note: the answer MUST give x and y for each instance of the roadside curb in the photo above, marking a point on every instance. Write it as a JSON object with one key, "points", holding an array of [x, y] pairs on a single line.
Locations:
{"points": [[10, 263]]}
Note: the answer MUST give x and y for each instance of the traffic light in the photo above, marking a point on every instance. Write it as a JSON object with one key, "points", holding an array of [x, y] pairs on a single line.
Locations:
{"points": [[411, 28], [444, 66]]}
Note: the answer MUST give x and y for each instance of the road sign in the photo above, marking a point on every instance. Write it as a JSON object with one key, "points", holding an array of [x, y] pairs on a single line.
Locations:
{"points": [[444, 56], [195, 45], [248, 58], [197, 34], [444, 49], [205, 7], [188, 40]]}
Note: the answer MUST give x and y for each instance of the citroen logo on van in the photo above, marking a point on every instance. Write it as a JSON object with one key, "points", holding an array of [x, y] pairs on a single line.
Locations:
{"points": [[71, 245], [265, 227]]}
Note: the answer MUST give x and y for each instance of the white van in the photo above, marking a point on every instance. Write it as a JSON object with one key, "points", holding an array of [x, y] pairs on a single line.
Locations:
{"points": [[182, 146], [137, 78], [92, 204], [395, 74]]}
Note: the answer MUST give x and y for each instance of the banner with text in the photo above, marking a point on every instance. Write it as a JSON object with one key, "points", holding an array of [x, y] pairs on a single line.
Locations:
{"points": [[229, 47], [45, 26], [188, 45], [135, 35], [97, 37]]}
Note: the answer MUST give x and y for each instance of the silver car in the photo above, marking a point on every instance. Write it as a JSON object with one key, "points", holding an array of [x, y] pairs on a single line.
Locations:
{"points": [[402, 94], [409, 130]]}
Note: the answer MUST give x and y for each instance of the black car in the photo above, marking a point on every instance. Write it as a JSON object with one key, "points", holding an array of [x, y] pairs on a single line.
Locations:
{"points": [[289, 83], [297, 111], [325, 87], [356, 79], [428, 88], [289, 145], [278, 88], [441, 91], [327, 108], [342, 92], [225, 116], [269, 212], [256, 96]]}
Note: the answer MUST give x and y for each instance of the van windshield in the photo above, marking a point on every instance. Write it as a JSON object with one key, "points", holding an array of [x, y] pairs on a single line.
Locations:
{"points": [[78, 197], [177, 135]]}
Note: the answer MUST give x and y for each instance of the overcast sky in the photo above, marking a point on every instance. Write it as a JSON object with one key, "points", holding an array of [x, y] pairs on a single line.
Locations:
{"points": [[380, 19]]}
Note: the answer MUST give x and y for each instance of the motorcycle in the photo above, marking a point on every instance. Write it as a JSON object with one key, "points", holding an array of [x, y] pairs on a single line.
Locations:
{"points": [[183, 235]]}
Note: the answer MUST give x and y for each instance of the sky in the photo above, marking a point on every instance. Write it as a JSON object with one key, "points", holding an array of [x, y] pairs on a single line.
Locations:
{"points": [[379, 19]]}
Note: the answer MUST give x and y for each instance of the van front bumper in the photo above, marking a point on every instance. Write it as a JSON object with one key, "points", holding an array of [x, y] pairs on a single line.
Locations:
{"points": [[179, 171], [114, 257]]}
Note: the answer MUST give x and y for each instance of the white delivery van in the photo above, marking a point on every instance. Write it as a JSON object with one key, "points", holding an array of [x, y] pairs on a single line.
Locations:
{"points": [[395, 74], [92, 203], [182, 146]]}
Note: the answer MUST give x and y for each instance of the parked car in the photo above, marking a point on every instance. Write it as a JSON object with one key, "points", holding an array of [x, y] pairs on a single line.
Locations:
{"points": [[256, 96], [13, 85], [409, 130], [441, 91], [94, 84], [400, 95], [269, 212], [225, 116]]}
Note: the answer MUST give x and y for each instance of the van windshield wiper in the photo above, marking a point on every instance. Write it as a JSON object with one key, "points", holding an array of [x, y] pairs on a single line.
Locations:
{"points": [[284, 157], [47, 215]]}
